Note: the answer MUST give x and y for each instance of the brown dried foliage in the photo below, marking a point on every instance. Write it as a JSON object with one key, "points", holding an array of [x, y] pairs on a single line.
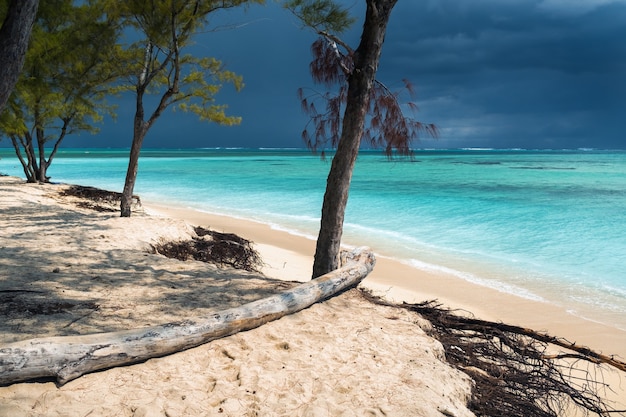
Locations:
{"points": [[513, 373], [96, 198], [213, 247], [209, 246], [389, 126]]}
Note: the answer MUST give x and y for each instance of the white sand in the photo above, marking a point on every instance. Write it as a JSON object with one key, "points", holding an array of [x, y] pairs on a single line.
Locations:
{"points": [[344, 357], [400, 282]]}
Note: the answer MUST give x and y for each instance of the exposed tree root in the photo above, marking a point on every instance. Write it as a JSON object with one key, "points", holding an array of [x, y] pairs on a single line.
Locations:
{"points": [[516, 370], [96, 198], [209, 246], [213, 247]]}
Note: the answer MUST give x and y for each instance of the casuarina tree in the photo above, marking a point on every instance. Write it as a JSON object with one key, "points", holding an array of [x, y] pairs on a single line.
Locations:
{"points": [[361, 108], [68, 71], [165, 72]]}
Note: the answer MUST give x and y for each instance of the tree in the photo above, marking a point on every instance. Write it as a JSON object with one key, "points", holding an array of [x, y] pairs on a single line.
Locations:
{"points": [[14, 35], [362, 98], [67, 74], [176, 79]]}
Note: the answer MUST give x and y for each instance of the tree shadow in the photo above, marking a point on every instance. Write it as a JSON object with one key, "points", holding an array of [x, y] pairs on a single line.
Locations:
{"points": [[62, 272]]}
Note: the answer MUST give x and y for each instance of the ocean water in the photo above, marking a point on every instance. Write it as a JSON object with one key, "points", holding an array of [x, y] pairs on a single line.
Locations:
{"points": [[544, 225]]}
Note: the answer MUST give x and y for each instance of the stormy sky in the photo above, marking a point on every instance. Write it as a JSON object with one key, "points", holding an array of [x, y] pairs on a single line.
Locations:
{"points": [[547, 74]]}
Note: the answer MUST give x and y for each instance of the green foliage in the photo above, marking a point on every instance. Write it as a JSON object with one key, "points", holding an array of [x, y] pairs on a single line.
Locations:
{"points": [[70, 65], [175, 79], [67, 69], [200, 96], [4, 8], [321, 15], [182, 81]]}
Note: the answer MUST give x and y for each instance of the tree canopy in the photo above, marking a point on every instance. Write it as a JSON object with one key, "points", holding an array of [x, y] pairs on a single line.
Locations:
{"points": [[163, 70], [391, 123], [70, 65]]}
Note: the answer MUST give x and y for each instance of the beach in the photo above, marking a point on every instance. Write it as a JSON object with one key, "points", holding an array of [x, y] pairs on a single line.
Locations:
{"points": [[290, 256], [345, 356], [402, 283]]}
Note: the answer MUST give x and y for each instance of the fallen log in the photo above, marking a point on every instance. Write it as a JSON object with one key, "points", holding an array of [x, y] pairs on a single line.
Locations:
{"points": [[68, 357]]}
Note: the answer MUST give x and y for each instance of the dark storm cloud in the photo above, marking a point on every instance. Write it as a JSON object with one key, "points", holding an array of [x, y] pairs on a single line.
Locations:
{"points": [[464, 37], [515, 73]]}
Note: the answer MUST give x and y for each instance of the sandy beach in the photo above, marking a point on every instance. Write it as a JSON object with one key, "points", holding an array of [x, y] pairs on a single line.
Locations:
{"points": [[92, 272], [403, 283]]}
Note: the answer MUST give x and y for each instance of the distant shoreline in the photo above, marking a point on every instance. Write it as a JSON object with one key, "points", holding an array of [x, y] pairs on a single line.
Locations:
{"points": [[5, 148]]}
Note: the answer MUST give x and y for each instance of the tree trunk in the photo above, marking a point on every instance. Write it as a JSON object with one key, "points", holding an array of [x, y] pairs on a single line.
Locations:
{"points": [[67, 358], [41, 147], [29, 164], [25, 165], [360, 82], [140, 129], [14, 36], [131, 173]]}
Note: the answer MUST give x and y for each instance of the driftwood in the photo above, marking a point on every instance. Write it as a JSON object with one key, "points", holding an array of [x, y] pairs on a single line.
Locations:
{"points": [[69, 357]]}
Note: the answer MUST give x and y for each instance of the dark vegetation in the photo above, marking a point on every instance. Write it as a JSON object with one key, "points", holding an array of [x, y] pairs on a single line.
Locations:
{"points": [[96, 198], [214, 247], [516, 370]]}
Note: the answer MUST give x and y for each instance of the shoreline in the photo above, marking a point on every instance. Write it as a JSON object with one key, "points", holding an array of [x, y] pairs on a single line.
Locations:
{"points": [[290, 257], [400, 282], [345, 354]]}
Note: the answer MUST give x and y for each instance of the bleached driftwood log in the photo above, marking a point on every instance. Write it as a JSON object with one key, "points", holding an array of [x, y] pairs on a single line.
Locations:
{"points": [[68, 357]]}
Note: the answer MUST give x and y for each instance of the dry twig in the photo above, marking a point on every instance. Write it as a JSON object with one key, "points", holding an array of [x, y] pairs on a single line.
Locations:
{"points": [[514, 373], [213, 247]]}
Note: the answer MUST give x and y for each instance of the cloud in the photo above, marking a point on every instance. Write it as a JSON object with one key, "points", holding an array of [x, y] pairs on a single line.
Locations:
{"points": [[513, 73], [489, 73], [574, 7]]}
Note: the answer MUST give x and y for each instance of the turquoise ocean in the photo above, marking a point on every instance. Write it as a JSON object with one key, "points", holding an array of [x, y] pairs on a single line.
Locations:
{"points": [[545, 225]]}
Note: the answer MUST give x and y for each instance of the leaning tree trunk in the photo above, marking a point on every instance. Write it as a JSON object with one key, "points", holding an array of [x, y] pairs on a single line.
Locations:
{"points": [[360, 82], [29, 162], [140, 129], [131, 175], [69, 357], [141, 126], [14, 36]]}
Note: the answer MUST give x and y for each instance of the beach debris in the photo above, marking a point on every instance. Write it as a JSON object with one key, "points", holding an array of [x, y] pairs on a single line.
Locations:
{"points": [[519, 372], [97, 199], [68, 357], [213, 247]]}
